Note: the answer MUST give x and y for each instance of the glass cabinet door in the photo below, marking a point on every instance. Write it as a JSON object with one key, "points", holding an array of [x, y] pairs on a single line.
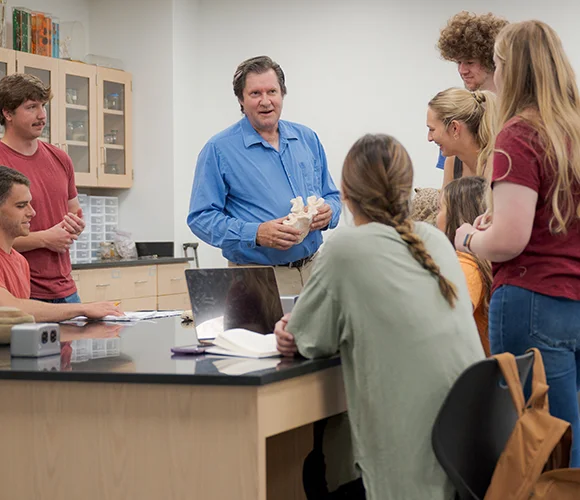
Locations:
{"points": [[7, 62], [46, 69], [7, 67], [78, 119], [114, 138]]}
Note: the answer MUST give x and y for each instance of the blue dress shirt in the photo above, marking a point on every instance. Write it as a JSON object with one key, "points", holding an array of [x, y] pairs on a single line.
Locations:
{"points": [[441, 161], [241, 181]]}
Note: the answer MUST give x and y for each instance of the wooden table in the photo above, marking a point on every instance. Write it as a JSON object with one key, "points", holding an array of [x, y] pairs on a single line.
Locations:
{"points": [[142, 425]]}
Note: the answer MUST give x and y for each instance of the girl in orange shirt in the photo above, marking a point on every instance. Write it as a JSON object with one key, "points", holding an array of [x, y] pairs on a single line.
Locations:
{"points": [[463, 200]]}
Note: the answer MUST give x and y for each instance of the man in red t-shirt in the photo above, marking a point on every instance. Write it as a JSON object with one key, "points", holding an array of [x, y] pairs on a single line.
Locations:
{"points": [[16, 214], [51, 173]]}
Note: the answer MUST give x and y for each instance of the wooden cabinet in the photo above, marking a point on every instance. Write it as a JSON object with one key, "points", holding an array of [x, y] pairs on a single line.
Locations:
{"points": [[7, 62], [77, 98], [139, 304], [171, 279], [89, 115], [114, 106], [144, 287], [7, 66], [99, 284], [172, 288], [140, 281], [172, 302], [46, 69]]}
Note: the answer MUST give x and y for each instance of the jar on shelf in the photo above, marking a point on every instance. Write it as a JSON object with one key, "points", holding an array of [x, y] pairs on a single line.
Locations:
{"points": [[79, 133], [112, 101], [112, 168], [71, 96], [70, 127], [107, 250]]}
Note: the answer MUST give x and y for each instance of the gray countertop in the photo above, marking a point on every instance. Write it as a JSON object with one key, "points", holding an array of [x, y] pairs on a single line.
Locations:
{"points": [[141, 353], [99, 264]]}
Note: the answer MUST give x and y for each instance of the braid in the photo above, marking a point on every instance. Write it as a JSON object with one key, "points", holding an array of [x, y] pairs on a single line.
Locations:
{"points": [[377, 179], [405, 229]]}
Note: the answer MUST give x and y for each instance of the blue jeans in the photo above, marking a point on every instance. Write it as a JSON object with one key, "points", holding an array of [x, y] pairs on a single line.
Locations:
{"points": [[520, 319], [73, 298]]}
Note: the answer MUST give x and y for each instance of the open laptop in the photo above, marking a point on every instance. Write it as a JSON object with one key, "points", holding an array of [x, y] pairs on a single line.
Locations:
{"points": [[233, 297]]}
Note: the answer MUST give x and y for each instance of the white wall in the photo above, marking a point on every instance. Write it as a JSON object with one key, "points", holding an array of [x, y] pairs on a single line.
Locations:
{"points": [[187, 98], [141, 34], [351, 67]]}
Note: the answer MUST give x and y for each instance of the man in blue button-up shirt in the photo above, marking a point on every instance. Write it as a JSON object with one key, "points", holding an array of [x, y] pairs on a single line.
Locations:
{"points": [[247, 174]]}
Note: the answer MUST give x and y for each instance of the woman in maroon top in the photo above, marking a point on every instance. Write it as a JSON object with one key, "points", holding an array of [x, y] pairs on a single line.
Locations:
{"points": [[534, 236]]}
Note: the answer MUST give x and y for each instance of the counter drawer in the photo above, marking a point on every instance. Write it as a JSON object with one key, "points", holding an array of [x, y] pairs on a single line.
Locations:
{"points": [[171, 279], [179, 301], [140, 281], [139, 304], [98, 284]]}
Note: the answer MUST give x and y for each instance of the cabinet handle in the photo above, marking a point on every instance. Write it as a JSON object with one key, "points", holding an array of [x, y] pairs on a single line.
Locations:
{"points": [[141, 281], [103, 285], [104, 162], [175, 279]]}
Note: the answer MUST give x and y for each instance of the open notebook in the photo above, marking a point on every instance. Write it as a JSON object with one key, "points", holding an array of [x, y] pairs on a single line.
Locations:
{"points": [[244, 343], [241, 366]]}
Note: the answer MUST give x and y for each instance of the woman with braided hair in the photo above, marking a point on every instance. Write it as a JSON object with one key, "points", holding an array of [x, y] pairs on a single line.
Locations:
{"points": [[390, 296]]}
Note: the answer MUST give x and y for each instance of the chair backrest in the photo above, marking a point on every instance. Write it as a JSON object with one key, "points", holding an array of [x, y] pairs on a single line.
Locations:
{"points": [[474, 424]]}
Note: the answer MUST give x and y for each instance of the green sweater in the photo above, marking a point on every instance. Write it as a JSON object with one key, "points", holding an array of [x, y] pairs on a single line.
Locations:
{"points": [[402, 346]]}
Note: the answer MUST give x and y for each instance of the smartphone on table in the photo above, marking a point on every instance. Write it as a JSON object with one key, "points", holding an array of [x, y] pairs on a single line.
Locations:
{"points": [[190, 349]]}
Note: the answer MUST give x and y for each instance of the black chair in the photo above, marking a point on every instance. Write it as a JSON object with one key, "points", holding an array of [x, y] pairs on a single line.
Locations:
{"points": [[474, 424]]}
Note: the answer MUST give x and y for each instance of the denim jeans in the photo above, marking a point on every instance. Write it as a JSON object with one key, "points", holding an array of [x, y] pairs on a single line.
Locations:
{"points": [[73, 298], [520, 319]]}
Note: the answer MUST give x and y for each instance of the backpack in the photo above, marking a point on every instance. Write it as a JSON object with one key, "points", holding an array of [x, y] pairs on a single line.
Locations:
{"points": [[534, 462]]}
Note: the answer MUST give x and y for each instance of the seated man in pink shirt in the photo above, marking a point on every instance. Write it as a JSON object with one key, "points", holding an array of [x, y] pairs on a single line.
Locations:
{"points": [[16, 212]]}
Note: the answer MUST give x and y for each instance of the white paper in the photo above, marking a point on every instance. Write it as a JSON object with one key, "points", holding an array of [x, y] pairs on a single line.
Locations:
{"points": [[134, 316], [210, 329]]}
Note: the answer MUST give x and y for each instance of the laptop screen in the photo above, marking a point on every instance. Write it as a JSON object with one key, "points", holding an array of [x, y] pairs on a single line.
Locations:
{"points": [[234, 297]]}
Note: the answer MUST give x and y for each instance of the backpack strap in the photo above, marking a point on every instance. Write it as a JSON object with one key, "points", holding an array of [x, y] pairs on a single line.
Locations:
{"points": [[539, 397], [509, 369]]}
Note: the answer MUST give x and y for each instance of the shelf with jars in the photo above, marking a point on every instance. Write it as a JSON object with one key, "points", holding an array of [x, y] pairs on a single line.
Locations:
{"points": [[89, 116]]}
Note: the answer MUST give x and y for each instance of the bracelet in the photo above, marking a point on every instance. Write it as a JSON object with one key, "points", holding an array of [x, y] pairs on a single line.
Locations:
{"points": [[467, 240]]}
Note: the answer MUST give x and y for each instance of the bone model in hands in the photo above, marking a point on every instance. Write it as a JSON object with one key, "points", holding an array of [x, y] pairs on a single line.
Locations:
{"points": [[300, 216]]}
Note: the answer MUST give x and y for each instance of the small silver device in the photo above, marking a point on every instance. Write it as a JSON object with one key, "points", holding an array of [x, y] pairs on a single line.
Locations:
{"points": [[288, 302], [35, 340]]}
